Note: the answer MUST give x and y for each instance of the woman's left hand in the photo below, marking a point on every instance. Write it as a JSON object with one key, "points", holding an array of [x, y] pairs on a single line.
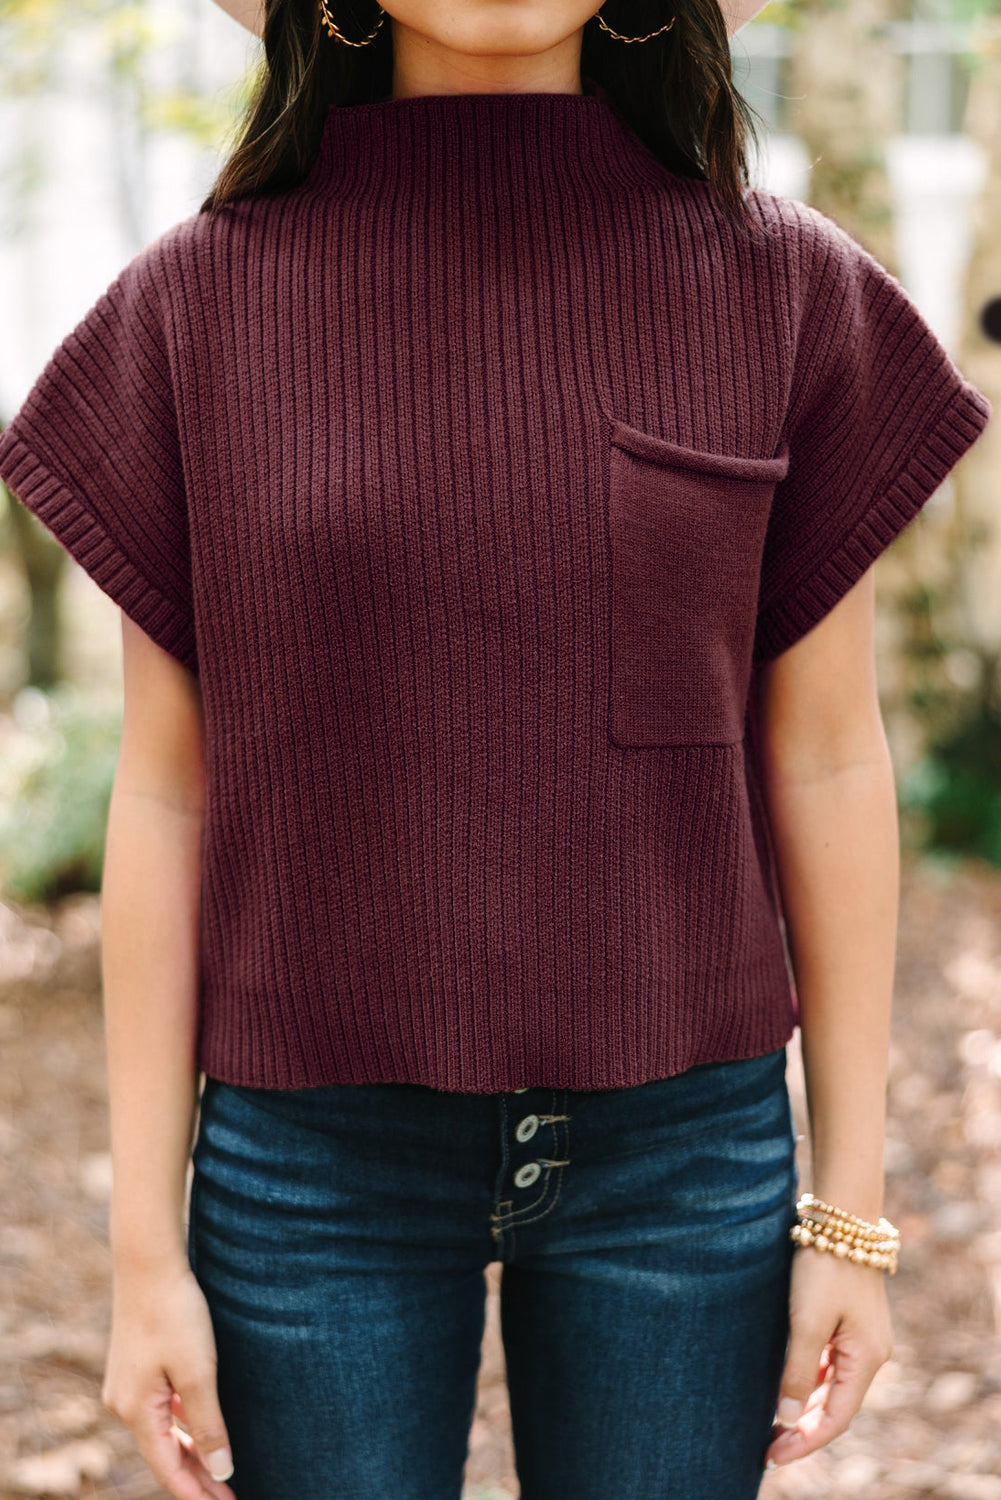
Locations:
{"points": [[839, 1336]]}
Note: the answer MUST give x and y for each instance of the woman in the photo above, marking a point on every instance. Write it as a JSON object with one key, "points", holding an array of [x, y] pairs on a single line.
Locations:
{"points": [[491, 484]]}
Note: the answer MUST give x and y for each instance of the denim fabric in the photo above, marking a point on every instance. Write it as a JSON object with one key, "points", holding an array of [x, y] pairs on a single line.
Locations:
{"points": [[340, 1235]]}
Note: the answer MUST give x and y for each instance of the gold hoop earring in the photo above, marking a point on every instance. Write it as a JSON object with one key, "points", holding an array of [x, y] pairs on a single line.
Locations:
{"points": [[335, 33], [618, 35]]}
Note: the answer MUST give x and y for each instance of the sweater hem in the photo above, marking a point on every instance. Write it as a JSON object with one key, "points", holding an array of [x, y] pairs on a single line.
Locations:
{"points": [[250, 1064]]}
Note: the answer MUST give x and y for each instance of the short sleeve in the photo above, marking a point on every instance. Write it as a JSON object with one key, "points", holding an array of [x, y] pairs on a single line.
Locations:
{"points": [[877, 415], [94, 452]]}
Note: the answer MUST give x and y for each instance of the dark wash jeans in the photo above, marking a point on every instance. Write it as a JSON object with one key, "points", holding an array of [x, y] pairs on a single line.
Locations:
{"points": [[340, 1236]]}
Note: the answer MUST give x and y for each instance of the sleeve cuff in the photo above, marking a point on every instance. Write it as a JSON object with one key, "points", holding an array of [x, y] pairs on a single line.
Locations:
{"points": [[960, 422], [34, 485]]}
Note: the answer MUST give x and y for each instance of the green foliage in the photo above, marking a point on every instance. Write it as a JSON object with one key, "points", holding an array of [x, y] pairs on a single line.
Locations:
{"points": [[122, 41], [965, 10], [951, 797], [203, 120], [56, 792], [955, 788], [778, 13]]}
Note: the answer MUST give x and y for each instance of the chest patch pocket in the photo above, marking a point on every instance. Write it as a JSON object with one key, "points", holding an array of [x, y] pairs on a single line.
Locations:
{"points": [[686, 532]]}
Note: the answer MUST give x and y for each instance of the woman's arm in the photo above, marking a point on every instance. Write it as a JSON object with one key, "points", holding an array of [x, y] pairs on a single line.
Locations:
{"points": [[161, 1365], [831, 799], [829, 788], [149, 933]]}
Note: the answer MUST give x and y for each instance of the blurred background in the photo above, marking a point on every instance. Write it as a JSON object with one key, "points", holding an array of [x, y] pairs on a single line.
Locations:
{"points": [[114, 118]]}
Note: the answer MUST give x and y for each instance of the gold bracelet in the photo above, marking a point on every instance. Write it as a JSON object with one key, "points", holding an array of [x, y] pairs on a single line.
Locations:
{"points": [[884, 1228], [825, 1227]]}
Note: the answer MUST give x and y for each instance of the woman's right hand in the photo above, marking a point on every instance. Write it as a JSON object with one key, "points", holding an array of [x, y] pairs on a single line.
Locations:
{"points": [[162, 1363]]}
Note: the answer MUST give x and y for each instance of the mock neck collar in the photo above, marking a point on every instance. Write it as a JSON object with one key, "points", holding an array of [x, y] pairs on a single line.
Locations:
{"points": [[427, 143]]}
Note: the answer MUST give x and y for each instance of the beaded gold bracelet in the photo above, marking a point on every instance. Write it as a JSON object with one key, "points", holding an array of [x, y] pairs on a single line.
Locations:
{"points": [[824, 1226]]}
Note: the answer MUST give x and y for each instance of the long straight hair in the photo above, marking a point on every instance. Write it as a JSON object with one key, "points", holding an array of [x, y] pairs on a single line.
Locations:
{"points": [[675, 91]]}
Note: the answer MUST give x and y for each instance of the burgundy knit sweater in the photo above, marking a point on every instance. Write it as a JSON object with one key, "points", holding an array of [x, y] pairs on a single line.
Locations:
{"points": [[473, 476]]}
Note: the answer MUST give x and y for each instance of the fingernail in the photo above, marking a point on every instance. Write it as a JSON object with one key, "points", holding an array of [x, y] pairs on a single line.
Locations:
{"points": [[771, 1464], [220, 1463], [789, 1411]]}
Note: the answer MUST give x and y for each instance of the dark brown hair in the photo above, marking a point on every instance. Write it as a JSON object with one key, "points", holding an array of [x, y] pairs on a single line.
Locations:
{"points": [[675, 91]]}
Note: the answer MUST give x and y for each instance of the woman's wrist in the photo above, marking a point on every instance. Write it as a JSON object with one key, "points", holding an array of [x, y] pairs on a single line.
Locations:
{"points": [[847, 1165], [857, 1195], [139, 1244]]}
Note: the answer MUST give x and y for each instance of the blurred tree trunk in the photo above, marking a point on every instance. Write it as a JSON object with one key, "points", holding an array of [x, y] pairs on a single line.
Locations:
{"points": [[978, 490], [44, 563], [846, 82], [114, 52]]}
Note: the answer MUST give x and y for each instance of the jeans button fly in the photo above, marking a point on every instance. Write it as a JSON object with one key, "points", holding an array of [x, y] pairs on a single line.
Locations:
{"points": [[526, 1175], [527, 1127]]}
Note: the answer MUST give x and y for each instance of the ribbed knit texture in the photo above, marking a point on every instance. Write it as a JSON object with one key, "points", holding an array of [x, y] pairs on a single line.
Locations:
{"points": [[472, 476]]}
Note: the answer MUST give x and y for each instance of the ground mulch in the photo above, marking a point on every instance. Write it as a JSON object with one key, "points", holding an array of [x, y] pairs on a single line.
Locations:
{"points": [[931, 1422]]}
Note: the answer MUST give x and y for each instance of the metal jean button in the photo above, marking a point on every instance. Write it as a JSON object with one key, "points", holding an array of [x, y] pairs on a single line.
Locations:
{"points": [[526, 1175], [526, 1128]]}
